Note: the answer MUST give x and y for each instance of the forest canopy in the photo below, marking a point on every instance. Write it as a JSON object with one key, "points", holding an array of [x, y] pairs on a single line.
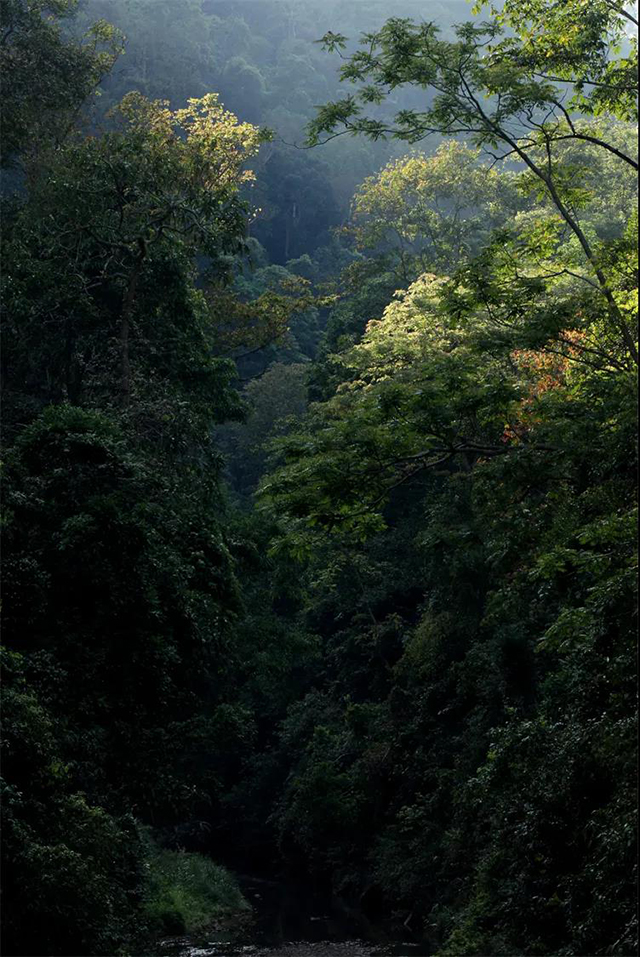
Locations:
{"points": [[319, 392]]}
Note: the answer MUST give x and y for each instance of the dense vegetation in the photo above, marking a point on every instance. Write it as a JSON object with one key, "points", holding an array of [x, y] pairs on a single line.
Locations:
{"points": [[319, 508]]}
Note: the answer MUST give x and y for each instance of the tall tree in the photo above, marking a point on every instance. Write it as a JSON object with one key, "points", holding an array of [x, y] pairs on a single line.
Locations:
{"points": [[48, 74], [499, 93]]}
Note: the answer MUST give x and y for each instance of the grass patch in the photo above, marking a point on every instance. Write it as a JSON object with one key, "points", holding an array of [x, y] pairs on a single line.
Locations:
{"points": [[187, 892]]}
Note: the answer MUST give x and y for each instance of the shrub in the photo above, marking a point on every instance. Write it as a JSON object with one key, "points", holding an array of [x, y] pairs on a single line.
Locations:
{"points": [[186, 892]]}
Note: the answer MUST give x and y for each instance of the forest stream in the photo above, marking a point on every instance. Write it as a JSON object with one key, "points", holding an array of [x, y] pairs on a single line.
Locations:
{"points": [[286, 922]]}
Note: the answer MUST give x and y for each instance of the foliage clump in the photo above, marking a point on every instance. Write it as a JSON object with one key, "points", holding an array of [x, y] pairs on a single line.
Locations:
{"points": [[187, 893]]}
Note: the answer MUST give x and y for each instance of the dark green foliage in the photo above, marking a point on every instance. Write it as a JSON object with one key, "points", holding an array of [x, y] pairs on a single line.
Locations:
{"points": [[276, 401], [188, 893], [113, 595], [455, 757], [47, 75], [118, 584], [71, 871]]}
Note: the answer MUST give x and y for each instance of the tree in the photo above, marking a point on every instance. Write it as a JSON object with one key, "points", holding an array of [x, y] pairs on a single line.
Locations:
{"points": [[71, 870], [486, 420], [102, 258], [172, 50], [48, 75], [119, 587], [505, 102], [590, 46], [422, 212], [276, 400], [484, 694]]}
